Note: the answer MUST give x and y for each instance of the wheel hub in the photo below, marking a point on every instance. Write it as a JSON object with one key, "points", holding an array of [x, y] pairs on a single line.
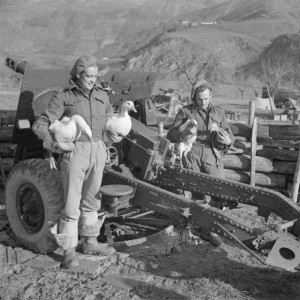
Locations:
{"points": [[30, 208]]}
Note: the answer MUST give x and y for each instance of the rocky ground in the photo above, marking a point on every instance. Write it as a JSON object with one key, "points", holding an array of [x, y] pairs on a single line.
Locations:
{"points": [[192, 269]]}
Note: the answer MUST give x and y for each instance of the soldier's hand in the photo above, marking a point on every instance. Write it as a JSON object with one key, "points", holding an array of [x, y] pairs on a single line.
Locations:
{"points": [[64, 147], [223, 137], [56, 147], [113, 137]]}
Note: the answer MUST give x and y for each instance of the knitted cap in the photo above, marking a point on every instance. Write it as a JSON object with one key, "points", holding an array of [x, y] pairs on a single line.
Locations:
{"points": [[82, 63]]}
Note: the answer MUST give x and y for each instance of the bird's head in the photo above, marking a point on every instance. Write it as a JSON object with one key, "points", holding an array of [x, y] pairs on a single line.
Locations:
{"points": [[214, 127], [128, 105], [192, 123]]}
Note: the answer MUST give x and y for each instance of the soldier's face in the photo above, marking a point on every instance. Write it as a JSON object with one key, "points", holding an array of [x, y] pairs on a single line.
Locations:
{"points": [[88, 77], [203, 98]]}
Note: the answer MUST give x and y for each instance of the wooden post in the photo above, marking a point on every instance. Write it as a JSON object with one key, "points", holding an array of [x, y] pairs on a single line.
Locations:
{"points": [[160, 127], [3, 177], [251, 112], [295, 118], [253, 152], [171, 107], [296, 181]]}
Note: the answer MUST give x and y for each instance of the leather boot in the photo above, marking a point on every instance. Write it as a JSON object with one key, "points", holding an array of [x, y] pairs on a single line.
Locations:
{"points": [[90, 245], [67, 240], [70, 259], [89, 229]]}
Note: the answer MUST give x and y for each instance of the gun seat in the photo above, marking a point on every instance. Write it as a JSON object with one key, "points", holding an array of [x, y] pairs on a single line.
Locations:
{"points": [[116, 196]]}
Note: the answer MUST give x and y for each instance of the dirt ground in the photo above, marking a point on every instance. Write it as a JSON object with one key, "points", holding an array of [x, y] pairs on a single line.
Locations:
{"points": [[190, 271]]}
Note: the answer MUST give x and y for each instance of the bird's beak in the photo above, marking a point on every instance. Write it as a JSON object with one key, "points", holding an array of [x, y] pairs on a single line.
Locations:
{"points": [[133, 107]]}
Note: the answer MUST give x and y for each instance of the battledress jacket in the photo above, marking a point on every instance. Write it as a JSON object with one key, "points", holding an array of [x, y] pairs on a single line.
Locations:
{"points": [[205, 119], [93, 107]]}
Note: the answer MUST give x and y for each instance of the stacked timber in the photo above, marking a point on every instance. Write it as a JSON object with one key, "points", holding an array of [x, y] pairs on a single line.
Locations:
{"points": [[7, 119], [276, 154]]}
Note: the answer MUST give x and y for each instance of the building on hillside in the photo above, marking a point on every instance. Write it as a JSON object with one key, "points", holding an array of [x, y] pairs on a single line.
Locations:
{"points": [[186, 23], [208, 23]]}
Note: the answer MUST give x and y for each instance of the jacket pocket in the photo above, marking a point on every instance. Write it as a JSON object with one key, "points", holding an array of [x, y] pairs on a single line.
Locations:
{"points": [[215, 120], [70, 102], [99, 99]]}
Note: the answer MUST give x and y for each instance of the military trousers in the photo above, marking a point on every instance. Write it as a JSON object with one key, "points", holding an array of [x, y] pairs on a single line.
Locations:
{"points": [[82, 172]]}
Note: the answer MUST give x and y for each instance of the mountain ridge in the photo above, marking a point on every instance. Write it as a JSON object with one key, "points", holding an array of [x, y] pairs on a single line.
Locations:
{"points": [[41, 30]]}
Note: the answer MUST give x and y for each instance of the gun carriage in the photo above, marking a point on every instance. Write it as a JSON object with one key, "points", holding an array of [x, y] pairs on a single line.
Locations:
{"points": [[184, 197]]}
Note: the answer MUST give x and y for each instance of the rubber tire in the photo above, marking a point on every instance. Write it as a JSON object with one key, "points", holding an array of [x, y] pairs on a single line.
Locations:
{"points": [[48, 183]]}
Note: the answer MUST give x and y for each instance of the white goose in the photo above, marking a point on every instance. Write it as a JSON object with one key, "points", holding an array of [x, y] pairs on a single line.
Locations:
{"points": [[69, 129], [119, 124], [66, 131]]}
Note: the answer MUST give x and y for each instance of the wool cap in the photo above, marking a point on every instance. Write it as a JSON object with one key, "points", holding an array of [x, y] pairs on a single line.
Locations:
{"points": [[82, 63]]}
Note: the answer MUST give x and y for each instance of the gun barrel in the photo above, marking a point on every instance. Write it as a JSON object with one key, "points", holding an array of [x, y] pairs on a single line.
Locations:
{"points": [[17, 66]]}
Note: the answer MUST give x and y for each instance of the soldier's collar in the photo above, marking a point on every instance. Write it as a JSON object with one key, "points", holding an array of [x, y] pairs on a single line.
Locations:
{"points": [[207, 110], [75, 85]]}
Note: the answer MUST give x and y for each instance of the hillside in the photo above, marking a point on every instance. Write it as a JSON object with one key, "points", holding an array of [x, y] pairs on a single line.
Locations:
{"points": [[282, 53], [56, 32], [74, 27], [252, 10]]}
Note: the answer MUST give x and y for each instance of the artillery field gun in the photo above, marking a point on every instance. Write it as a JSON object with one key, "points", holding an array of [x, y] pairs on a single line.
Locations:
{"points": [[143, 178]]}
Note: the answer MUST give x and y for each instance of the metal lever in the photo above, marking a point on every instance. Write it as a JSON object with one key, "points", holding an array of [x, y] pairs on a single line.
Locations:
{"points": [[240, 243]]}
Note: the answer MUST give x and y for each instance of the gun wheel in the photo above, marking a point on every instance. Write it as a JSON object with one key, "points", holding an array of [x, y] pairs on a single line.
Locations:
{"points": [[34, 199]]}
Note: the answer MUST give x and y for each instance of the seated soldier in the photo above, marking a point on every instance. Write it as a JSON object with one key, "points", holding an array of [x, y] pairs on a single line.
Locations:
{"points": [[214, 136]]}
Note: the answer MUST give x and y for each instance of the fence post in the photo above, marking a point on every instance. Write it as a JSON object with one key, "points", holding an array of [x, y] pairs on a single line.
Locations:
{"points": [[251, 112], [253, 151], [296, 181], [3, 177]]}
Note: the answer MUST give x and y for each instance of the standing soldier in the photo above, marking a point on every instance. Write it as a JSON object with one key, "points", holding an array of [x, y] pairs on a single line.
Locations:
{"points": [[83, 163]]}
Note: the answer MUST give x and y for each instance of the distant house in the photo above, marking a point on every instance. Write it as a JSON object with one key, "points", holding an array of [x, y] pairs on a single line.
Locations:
{"points": [[208, 23], [185, 23], [194, 24]]}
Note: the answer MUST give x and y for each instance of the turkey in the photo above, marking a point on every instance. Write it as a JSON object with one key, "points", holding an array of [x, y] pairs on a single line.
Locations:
{"points": [[187, 137], [220, 141]]}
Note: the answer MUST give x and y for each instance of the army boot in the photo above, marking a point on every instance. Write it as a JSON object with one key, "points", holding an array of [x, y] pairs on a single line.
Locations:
{"points": [[89, 230], [67, 240], [70, 259]]}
